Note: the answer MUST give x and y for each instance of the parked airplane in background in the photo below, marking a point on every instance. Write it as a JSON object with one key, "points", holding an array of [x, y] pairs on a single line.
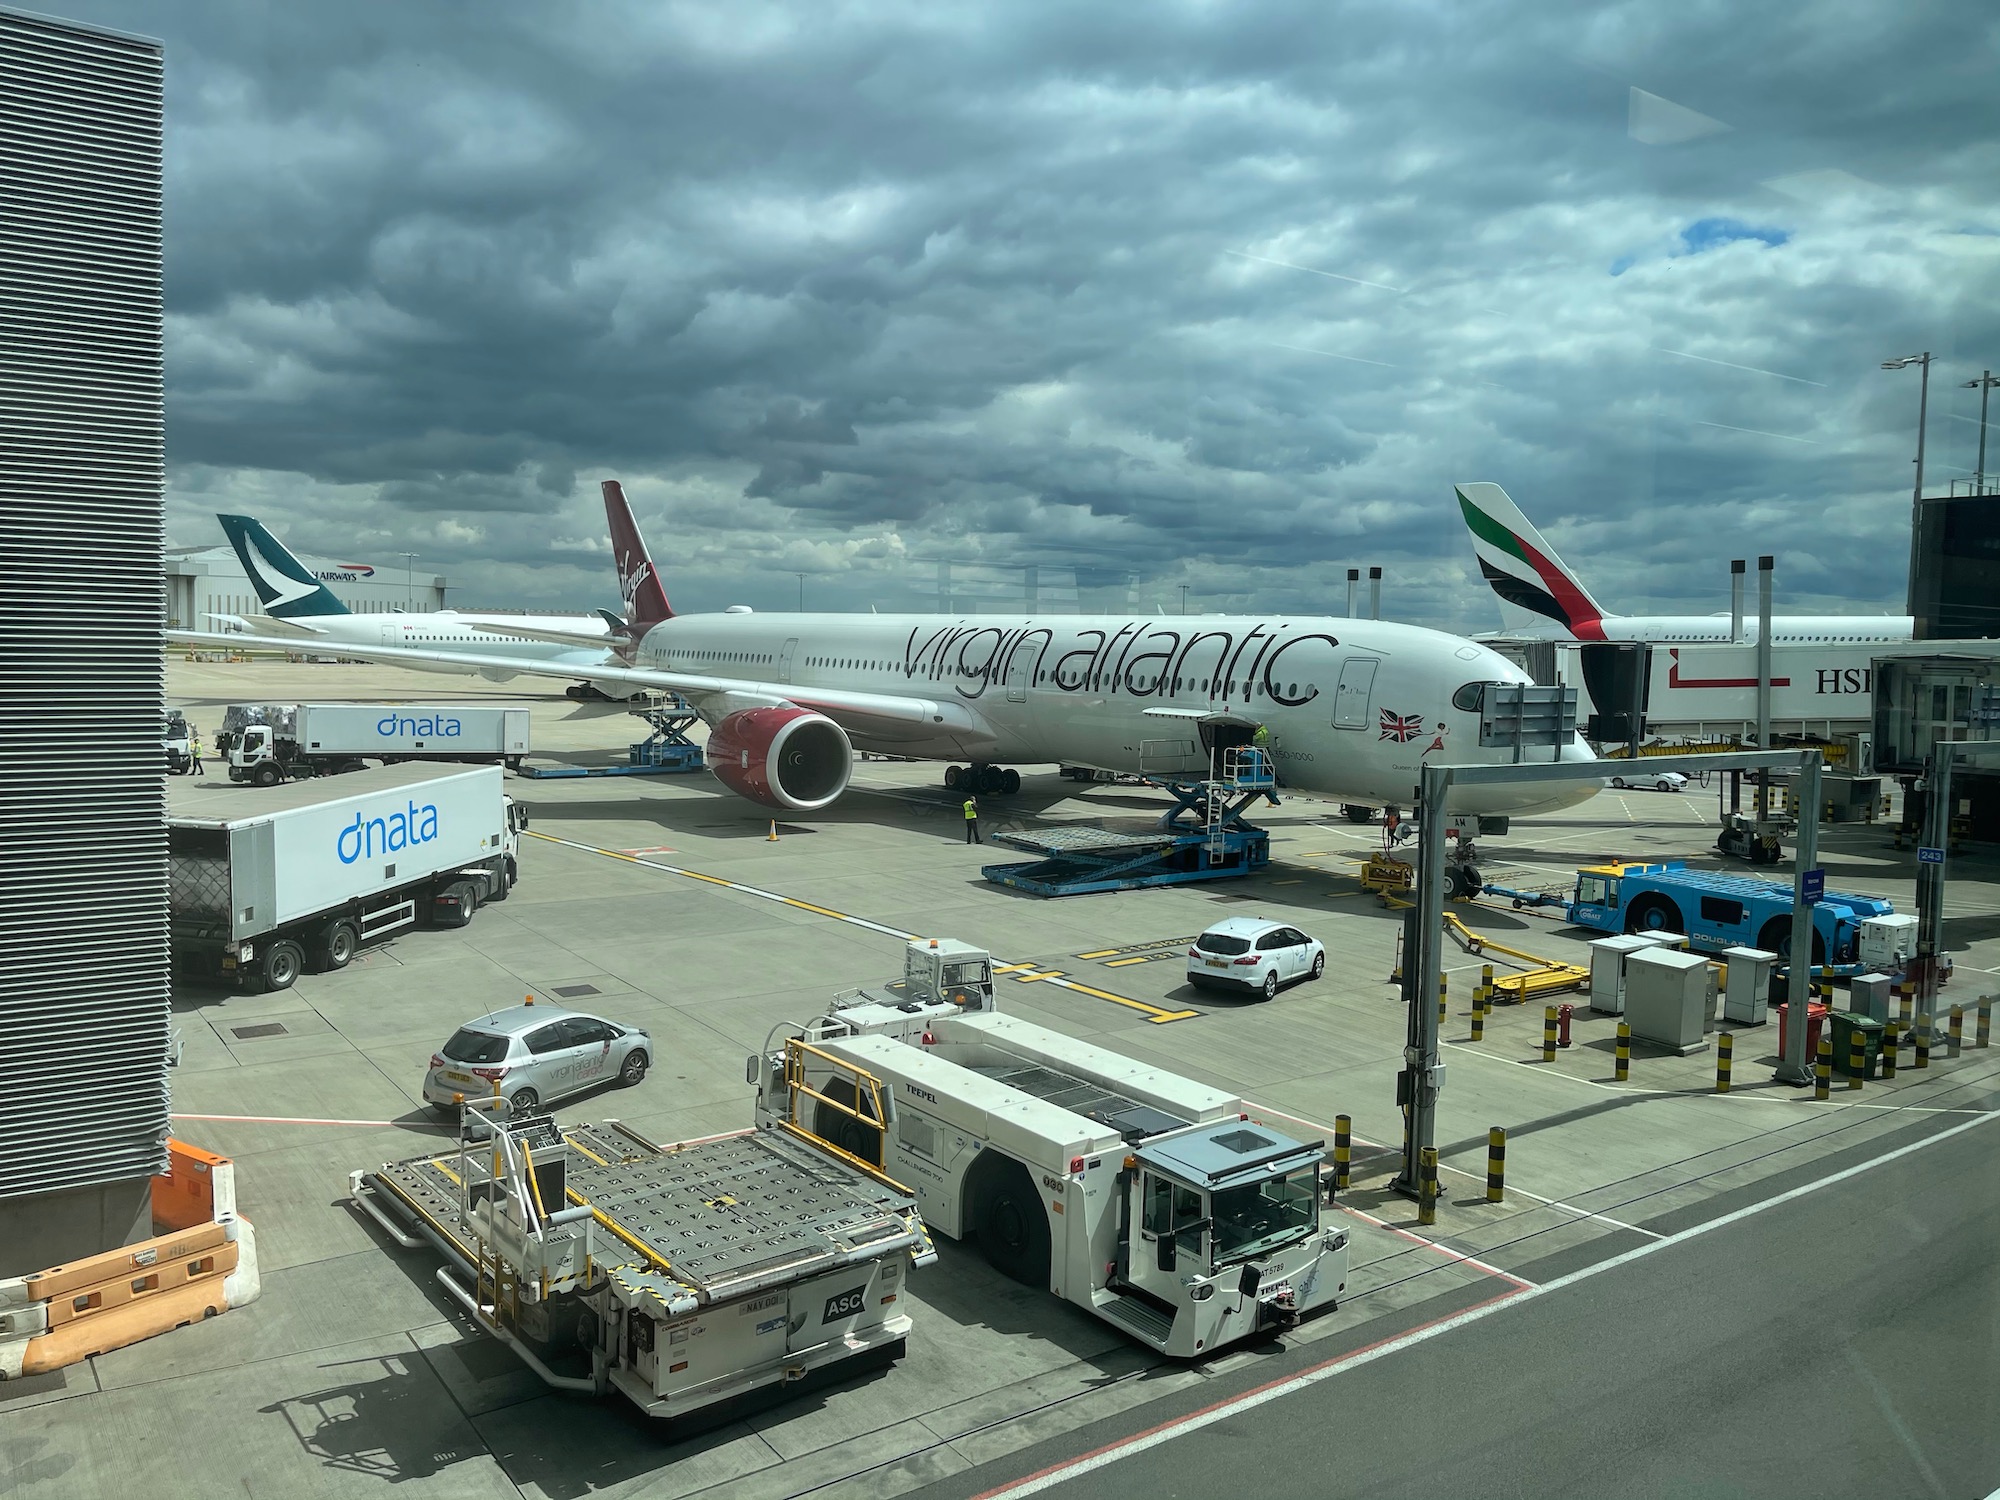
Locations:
{"points": [[1353, 706], [1542, 600], [300, 610]]}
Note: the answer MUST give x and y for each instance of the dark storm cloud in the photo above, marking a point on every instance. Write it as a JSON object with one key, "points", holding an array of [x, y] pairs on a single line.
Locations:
{"points": [[1216, 294]]}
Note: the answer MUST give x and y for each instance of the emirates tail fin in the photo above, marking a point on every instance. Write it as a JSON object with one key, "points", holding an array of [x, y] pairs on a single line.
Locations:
{"points": [[638, 580], [1533, 583]]}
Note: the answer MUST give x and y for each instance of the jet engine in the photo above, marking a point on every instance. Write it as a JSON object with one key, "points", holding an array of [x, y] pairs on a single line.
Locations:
{"points": [[787, 757]]}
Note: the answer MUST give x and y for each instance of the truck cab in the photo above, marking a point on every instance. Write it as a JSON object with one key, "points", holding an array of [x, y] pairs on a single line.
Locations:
{"points": [[177, 742]]}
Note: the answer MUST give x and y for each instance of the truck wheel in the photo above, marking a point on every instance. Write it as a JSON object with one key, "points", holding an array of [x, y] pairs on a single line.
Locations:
{"points": [[634, 1072], [1013, 1228], [283, 962], [503, 883], [1653, 914], [1776, 937], [266, 775], [840, 1129], [342, 942]]}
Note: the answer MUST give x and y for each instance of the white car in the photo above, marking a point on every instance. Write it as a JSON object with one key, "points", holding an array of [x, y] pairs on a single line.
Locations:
{"points": [[1659, 781], [534, 1055], [1254, 953]]}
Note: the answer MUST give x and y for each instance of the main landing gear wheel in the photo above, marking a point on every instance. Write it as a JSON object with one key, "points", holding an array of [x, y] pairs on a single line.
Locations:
{"points": [[1354, 812], [1010, 782], [952, 776]]}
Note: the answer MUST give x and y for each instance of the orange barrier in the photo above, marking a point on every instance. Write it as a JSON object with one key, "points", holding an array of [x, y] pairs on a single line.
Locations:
{"points": [[201, 1261]]}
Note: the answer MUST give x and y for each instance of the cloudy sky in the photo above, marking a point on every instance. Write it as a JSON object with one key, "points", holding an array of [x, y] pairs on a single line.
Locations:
{"points": [[1204, 294]]}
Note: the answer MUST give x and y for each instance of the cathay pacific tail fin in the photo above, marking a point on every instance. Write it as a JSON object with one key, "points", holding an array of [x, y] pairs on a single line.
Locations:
{"points": [[284, 585]]}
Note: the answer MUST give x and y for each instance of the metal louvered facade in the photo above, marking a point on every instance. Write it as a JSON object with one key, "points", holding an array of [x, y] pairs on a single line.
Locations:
{"points": [[84, 961]]}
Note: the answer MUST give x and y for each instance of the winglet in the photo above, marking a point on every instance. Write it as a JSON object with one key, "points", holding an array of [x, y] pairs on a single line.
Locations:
{"points": [[284, 585], [638, 580], [1522, 567]]}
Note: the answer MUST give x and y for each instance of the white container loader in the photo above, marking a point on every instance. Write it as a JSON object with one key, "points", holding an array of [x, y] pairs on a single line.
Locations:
{"points": [[1160, 1204], [265, 884], [325, 739]]}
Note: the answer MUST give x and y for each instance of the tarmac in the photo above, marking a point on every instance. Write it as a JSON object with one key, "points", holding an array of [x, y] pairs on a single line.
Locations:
{"points": [[665, 902]]}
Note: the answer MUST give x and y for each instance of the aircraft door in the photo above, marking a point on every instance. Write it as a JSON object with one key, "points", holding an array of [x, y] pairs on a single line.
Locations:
{"points": [[1019, 671], [785, 655], [1350, 697]]}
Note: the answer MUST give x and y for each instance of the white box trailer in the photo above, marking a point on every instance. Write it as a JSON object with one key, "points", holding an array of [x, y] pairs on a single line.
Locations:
{"points": [[321, 739], [1160, 1204], [678, 1276], [267, 883]]}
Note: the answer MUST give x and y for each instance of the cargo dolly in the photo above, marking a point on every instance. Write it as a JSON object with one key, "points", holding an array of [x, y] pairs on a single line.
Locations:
{"points": [[667, 751], [1204, 836], [679, 1276]]}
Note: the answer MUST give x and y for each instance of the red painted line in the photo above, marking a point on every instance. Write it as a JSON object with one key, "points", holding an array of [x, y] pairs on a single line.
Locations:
{"points": [[1040, 1478], [287, 1120]]}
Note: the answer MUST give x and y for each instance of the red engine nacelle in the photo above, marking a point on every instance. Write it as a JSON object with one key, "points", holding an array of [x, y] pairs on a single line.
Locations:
{"points": [[785, 757]]}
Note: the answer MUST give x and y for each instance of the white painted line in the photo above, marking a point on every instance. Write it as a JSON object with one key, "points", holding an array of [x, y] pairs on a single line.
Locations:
{"points": [[1439, 1246], [1220, 1411]]}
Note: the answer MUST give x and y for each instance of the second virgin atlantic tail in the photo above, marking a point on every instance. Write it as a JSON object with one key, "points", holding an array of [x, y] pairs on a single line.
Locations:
{"points": [[638, 580]]}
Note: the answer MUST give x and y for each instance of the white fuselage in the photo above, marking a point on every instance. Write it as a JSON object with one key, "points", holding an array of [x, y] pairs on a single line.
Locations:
{"points": [[1354, 707], [460, 635], [1679, 630]]}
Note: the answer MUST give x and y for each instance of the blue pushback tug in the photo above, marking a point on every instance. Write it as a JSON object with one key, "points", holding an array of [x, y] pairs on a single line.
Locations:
{"points": [[1716, 909]]}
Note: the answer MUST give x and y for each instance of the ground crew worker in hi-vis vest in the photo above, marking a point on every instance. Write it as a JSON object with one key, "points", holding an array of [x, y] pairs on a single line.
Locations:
{"points": [[972, 822], [194, 753]]}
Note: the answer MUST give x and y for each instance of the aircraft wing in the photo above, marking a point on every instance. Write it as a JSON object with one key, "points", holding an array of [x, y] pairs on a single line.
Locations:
{"points": [[601, 640], [876, 715]]}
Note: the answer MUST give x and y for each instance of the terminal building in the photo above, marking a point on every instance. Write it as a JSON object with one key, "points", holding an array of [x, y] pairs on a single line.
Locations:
{"points": [[206, 581]]}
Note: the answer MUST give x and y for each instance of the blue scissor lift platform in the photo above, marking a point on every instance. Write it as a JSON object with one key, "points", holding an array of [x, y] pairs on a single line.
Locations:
{"points": [[667, 751], [1204, 837]]}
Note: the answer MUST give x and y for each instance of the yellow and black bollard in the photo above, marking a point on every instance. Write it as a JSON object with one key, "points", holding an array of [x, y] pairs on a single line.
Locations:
{"points": [[1343, 1151], [1857, 1057], [1903, 1004], [1955, 1042], [1725, 1047], [1891, 1043], [1496, 1165], [1622, 1067], [1826, 983], [1486, 985], [1479, 1015], [1443, 1004], [1923, 1039], [1427, 1185], [1983, 1035], [1548, 1033], [1823, 1067]]}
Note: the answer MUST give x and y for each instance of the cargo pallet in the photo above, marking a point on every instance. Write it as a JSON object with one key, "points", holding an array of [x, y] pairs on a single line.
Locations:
{"points": [[667, 751], [1203, 837]]}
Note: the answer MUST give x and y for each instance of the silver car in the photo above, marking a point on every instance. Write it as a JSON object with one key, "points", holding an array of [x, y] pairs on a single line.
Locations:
{"points": [[535, 1054]]}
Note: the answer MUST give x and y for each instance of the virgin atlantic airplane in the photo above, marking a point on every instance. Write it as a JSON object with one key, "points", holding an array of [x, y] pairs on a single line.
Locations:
{"points": [[1353, 707]]}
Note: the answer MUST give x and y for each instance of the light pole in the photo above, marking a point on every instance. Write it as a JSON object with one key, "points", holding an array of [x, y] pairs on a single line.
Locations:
{"points": [[1985, 383], [409, 579], [1923, 363], [802, 591], [1184, 589]]}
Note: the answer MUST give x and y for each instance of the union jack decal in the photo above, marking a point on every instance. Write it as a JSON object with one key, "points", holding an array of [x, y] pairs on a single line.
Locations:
{"points": [[1402, 728]]}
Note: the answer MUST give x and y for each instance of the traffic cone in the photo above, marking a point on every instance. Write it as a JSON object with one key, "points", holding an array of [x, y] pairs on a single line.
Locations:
{"points": [[774, 832]]}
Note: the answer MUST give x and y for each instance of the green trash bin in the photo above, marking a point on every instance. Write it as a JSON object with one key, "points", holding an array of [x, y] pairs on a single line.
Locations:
{"points": [[1845, 1024]]}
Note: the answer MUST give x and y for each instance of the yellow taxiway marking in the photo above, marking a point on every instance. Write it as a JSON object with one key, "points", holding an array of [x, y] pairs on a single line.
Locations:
{"points": [[1101, 953], [1119, 963], [1025, 973]]}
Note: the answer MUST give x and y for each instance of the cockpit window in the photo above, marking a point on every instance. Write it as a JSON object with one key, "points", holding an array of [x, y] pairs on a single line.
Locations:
{"points": [[1469, 697]]}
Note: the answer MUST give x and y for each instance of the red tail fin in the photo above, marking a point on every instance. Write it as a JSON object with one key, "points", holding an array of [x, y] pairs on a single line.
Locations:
{"points": [[638, 580]]}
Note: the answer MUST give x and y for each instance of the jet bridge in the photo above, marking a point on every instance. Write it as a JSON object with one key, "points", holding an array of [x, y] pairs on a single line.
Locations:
{"points": [[1205, 836]]}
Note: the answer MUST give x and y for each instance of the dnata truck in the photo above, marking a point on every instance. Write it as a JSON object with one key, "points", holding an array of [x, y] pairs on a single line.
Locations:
{"points": [[1717, 910], [678, 1276], [323, 739], [266, 885], [1161, 1205], [177, 742]]}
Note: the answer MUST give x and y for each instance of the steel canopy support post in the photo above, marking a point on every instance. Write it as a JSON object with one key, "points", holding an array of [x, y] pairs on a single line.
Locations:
{"points": [[1423, 1077], [1764, 566], [1930, 879], [1794, 1066]]}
